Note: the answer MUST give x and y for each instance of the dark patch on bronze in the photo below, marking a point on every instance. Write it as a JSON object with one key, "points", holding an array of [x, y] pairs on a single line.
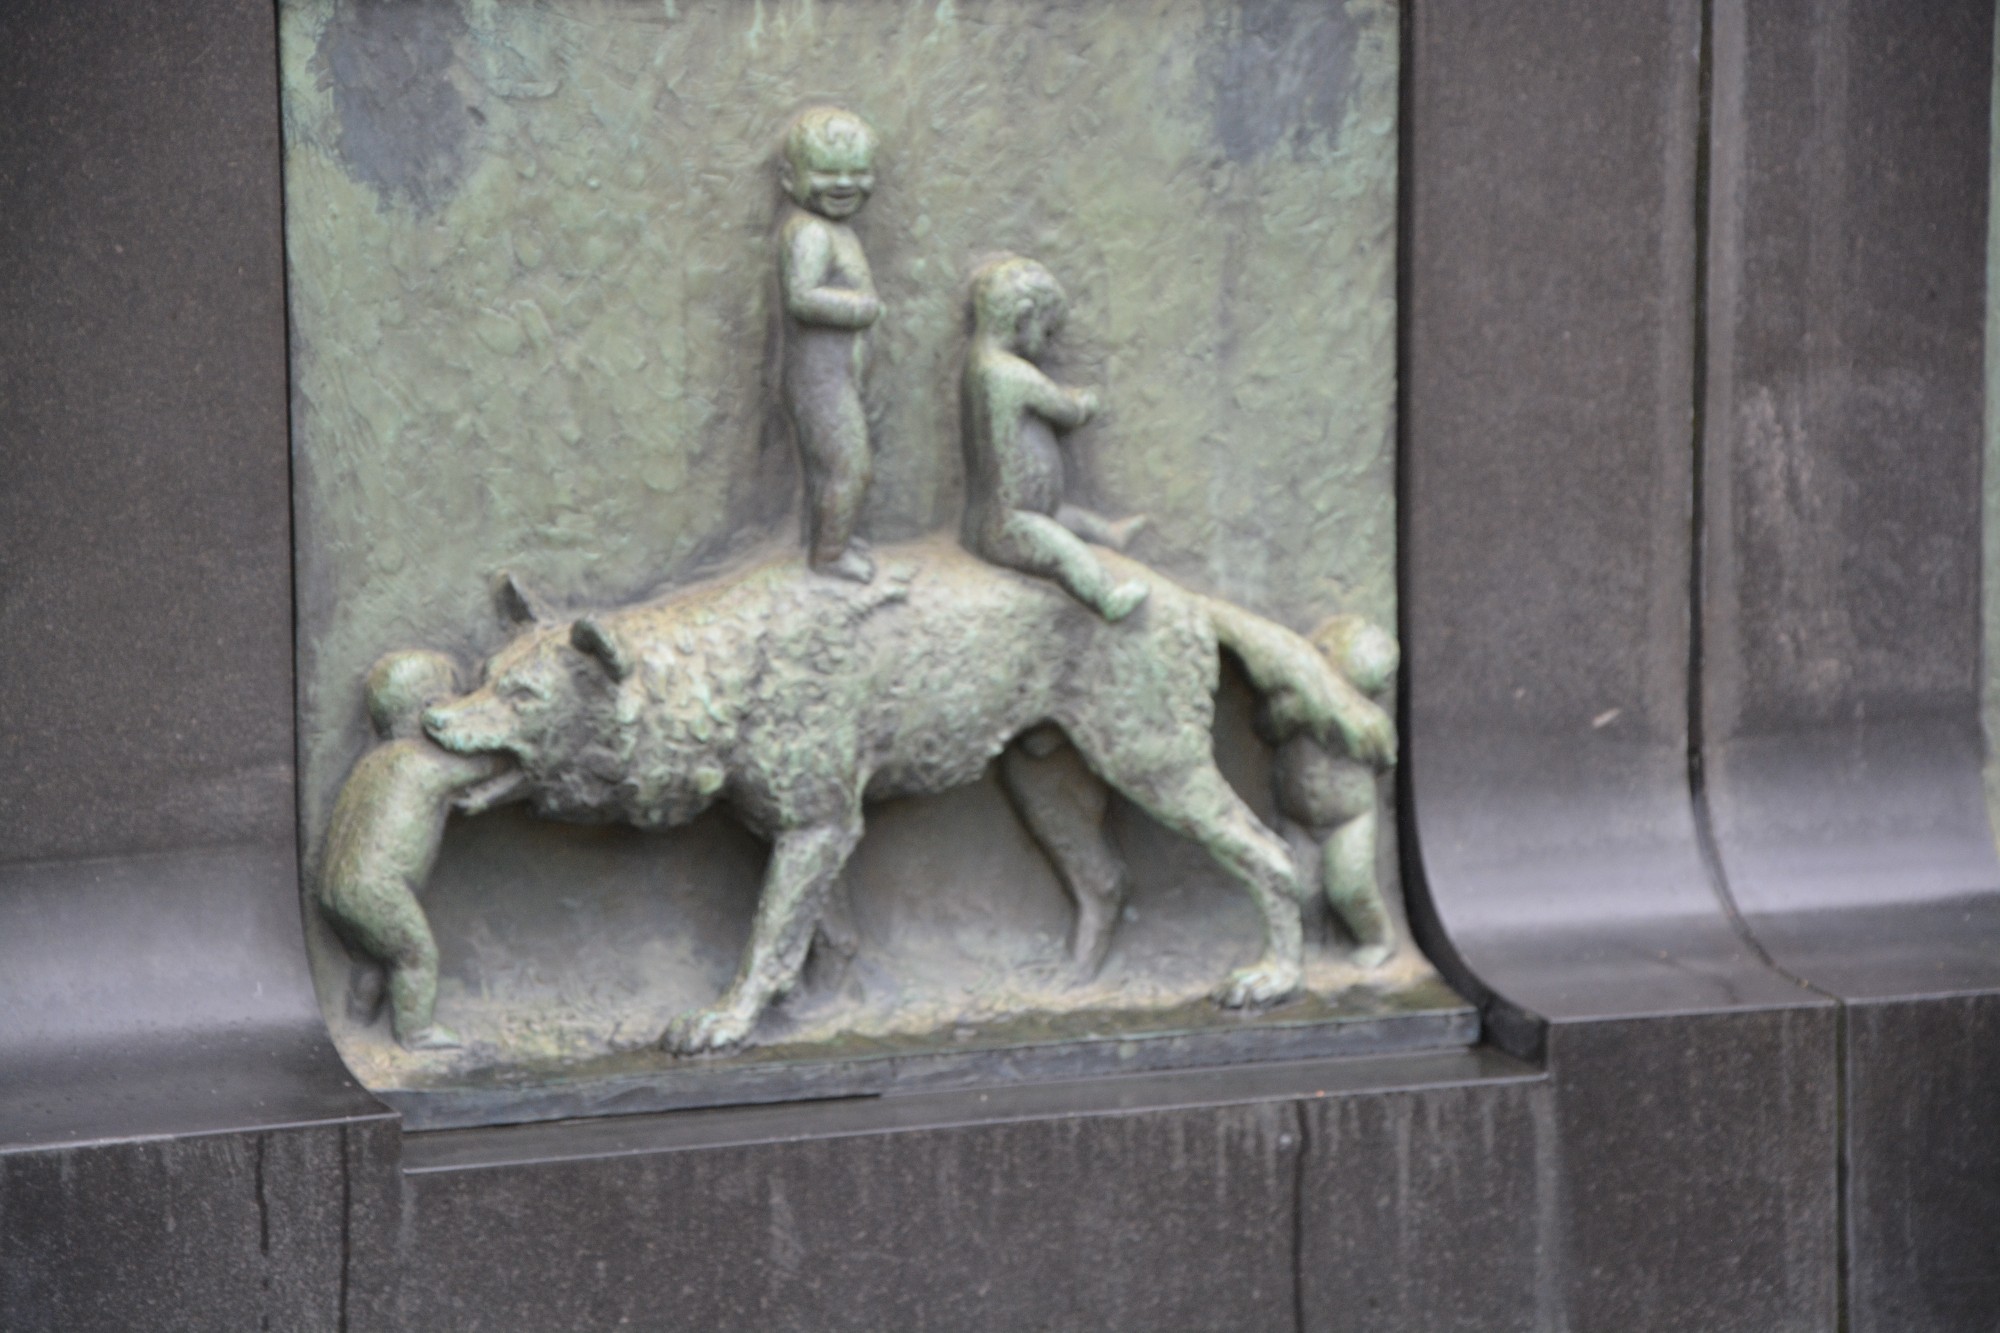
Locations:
{"points": [[403, 126], [1280, 75]]}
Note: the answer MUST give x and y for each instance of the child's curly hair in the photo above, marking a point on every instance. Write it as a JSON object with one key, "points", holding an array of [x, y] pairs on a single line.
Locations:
{"points": [[1007, 288], [401, 685], [1359, 649]]}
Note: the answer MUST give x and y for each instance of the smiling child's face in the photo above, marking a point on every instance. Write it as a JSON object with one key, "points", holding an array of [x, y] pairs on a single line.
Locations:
{"points": [[833, 177]]}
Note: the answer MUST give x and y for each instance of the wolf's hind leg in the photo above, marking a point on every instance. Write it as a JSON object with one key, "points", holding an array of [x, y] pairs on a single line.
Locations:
{"points": [[1198, 802], [1063, 805], [804, 864]]}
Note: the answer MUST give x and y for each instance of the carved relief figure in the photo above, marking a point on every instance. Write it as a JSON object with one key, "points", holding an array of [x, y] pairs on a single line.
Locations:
{"points": [[1326, 795], [383, 841], [795, 699], [1015, 515], [829, 303]]}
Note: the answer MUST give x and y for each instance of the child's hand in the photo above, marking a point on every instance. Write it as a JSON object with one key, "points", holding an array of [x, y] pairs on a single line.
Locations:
{"points": [[867, 309], [1086, 404], [1370, 734]]}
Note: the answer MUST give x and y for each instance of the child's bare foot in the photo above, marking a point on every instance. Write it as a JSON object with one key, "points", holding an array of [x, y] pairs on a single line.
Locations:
{"points": [[850, 564], [1121, 531], [1368, 957], [436, 1037], [1124, 599]]}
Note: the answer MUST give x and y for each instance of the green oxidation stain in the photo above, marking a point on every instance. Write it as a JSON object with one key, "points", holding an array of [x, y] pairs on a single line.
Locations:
{"points": [[532, 323]]}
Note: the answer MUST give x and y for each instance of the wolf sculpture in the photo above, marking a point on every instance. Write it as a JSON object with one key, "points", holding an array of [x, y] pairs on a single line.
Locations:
{"points": [[796, 699]]}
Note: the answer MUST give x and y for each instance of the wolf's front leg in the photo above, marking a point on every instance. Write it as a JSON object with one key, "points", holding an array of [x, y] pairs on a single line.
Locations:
{"points": [[804, 865]]}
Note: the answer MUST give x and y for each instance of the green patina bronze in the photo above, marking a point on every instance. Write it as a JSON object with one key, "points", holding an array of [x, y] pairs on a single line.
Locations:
{"points": [[1014, 512], [382, 842], [551, 317], [794, 698], [829, 302]]}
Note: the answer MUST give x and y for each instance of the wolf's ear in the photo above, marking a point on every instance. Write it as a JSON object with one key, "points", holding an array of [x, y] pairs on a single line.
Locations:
{"points": [[516, 603], [589, 636]]}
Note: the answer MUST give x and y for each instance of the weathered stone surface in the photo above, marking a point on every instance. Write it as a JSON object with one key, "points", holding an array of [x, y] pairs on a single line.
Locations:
{"points": [[1168, 1220], [144, 495], [1698, 1178], [1849, 221], [1922, 1159], [1428, 1210], [1547, 475], [196, 1233]]}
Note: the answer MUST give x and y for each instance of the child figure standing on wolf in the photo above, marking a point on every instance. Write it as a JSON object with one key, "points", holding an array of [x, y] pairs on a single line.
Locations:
{"points": [[383, 840], [1015, 514], [829, 302], [1326, 798]]}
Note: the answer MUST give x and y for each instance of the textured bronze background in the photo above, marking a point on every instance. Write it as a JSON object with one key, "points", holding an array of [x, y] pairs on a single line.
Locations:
{"points": [[531, 290]]}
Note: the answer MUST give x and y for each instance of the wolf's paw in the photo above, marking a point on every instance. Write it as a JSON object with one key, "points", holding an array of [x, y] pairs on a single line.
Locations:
{"points": [[1266, 982], [850, 564], [713, 1029]]}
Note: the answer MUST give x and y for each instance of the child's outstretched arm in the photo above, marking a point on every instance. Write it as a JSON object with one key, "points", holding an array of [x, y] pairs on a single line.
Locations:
{"points": [[804, 262], [1063, 408], [1301, 692], [478, 798]]}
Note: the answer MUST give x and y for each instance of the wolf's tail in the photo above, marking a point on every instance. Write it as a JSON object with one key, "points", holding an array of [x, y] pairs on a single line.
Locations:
{"points": [[1301, 689]]}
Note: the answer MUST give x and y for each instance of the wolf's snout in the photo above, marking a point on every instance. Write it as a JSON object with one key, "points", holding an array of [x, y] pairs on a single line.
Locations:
{"points": [[471, 725], [437, 724]]}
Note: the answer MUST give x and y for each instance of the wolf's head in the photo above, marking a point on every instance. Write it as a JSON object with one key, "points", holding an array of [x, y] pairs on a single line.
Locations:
{"points": [[521, 708], [529, 705]]}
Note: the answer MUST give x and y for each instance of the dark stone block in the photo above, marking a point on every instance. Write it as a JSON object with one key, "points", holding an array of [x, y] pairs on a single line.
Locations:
{"points": [[1427, 1210], [1570, 878], [1698, 1180], [1550, 181], [1845, 380], [145, 631], [180, 1148], [159, 995], [1923, 1163], [1551, 155], [1158, 1201], [371, 1260], [173, 1121], [1160, 1220], [1843, 435], [1843, 439], [198, 1233], [1552, 169]]}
